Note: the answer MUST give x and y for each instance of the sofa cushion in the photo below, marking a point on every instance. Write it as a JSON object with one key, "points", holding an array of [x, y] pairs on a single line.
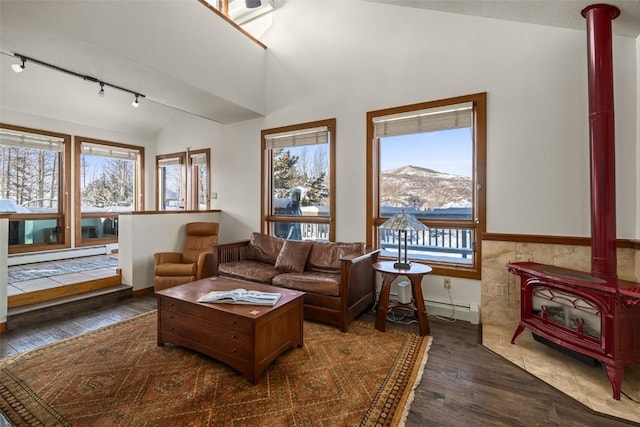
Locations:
{"points": [[325, 257], [293, 256], [265, 248], [316, 282], [254, 271]]}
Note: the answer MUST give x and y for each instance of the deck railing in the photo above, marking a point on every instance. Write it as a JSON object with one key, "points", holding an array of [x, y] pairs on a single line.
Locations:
{"points": [[438, 244]]}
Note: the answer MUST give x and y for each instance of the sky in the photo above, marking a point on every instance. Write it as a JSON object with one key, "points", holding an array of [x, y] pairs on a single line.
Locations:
{"points": [[448, 151]]}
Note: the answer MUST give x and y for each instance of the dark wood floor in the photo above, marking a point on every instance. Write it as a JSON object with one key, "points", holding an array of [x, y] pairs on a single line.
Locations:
{"points": [[463, 383]]}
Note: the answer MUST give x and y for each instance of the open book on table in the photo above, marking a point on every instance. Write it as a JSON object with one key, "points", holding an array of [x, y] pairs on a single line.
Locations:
{"points": [[241, 296]]}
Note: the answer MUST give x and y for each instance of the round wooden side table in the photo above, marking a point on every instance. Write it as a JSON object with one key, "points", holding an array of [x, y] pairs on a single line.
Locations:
{"points": [[415, 275]]}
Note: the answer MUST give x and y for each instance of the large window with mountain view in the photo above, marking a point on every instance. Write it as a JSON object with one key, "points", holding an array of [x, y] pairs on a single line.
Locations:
{"points": [[428, 160], [298, 176], [108, 181], [33, 187]]}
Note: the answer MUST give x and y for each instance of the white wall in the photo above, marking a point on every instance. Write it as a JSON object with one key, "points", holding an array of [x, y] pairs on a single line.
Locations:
{"points": [[236, 178], [353, 57], [188, 131]]}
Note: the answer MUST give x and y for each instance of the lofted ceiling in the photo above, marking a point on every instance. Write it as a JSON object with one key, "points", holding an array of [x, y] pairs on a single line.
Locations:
{"points": [[182, 56], [552, 13]]}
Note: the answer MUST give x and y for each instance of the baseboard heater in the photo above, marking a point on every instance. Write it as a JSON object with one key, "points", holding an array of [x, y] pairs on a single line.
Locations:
{"points": [[461, 311]]}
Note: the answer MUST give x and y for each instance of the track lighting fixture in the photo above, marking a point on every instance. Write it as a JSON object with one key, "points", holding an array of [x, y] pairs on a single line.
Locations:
{"points": [[18, 68]]}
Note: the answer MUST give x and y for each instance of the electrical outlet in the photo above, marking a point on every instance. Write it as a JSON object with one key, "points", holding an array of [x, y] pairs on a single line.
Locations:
{"points": [[447, 283], [499, 290]]}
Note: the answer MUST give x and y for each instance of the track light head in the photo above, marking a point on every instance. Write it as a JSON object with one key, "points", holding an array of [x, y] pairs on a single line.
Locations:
{"points": [[18, 68], [135, 103], [101, 92]]}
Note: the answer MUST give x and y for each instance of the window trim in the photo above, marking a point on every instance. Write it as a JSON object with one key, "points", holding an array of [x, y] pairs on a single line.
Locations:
{"points": [[479, 181], [192, 194], [188, 182], [64, 214], [219, 9], [182, 158], [138, 203], [266, 167]]}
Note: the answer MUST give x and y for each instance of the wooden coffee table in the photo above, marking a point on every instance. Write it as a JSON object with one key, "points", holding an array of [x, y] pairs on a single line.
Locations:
{"points": [[245, 337]]}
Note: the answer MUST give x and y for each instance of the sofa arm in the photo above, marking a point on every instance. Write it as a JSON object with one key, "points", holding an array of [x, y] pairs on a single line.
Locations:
{"points": [[227, 252], [164, 257], [357, 277]]}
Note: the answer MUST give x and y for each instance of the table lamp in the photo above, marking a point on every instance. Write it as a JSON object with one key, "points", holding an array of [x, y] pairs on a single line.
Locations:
{"points": [[403, 222]]}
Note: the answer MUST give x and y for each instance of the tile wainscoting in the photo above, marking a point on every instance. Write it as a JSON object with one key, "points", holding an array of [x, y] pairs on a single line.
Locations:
{"points": [[497, 309]]}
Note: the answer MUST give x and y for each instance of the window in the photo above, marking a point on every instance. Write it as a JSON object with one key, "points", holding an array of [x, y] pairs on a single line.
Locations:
{"points": [[33, 188], [199, 176], [108, 181], [242, 11], [298, 176], [429, 160], [179, 187], [171, 181]]}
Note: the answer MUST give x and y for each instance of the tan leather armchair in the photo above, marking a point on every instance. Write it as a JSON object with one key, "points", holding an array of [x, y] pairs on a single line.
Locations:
{"points": [[176, 268]]}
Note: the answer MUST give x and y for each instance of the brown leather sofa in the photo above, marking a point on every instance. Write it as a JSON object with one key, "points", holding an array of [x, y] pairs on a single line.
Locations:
{"points": [[177, 268], [337, 278]]}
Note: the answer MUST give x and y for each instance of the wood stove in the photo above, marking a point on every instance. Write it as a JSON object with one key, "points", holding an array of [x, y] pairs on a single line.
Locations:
{"points": [[597, 314], [583, 313]]}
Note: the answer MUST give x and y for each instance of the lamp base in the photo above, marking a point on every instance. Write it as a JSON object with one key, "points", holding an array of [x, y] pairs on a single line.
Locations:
{"points": [[402, 265]]}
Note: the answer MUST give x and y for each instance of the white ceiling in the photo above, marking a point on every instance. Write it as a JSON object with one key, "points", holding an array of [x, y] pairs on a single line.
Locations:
{"points": [[553, 13], [177, 53], [180, 54]]}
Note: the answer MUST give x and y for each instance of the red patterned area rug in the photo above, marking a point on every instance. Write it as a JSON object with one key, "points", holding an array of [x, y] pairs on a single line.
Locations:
{"points": [[118, 376]]}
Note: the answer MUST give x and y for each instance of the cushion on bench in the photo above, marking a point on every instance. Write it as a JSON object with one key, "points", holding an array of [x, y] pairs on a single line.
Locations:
{"points": [[309, 281], [325, 257], [265, 248], [255, 271], [293, 256]]}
